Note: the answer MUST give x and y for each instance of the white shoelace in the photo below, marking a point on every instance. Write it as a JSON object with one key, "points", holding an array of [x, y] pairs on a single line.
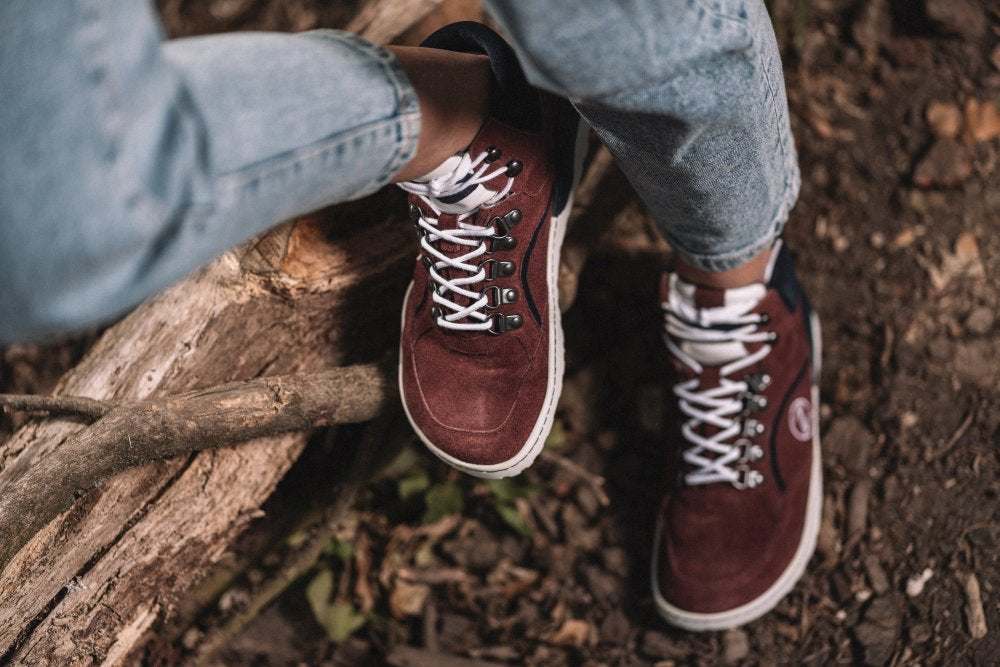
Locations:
{"points": [[723, 456], [468, 172]]}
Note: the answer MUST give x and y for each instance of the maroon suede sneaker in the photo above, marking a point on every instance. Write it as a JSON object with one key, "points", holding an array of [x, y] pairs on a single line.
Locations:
{"points": [[739, 523], [481, 350]]}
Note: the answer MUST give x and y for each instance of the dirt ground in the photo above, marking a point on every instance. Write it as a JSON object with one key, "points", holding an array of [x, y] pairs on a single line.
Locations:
{"points": [[895, 112]]}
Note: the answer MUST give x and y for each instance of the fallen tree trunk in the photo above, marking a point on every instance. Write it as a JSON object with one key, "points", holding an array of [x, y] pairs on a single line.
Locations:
{"points": [[309, 296], [90, 583], [134, 434]]}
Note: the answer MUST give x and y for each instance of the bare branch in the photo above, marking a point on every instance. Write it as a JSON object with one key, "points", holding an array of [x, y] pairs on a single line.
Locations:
{"points": [[130, 435], [55, 405]]}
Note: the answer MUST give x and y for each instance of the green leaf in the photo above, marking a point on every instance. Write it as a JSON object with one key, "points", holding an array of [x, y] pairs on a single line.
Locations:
{"points": [[506, 489], [510, 517], [342, 621], [340, 548], [318, 594], [557, 436], [442, 500], [405, 461], [296, 539], [415, 482]]}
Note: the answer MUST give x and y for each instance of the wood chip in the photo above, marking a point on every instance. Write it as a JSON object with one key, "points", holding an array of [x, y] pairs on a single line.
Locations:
{"points": [[975, 617], [574, 632], [876, 574], [982, 120], [408, 599], [944, 118], [737, 646], [857, 508], [946, 164]]}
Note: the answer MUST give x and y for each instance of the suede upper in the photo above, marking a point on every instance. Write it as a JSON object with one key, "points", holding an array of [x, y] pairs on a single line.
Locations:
{"points": [[721, 546]]}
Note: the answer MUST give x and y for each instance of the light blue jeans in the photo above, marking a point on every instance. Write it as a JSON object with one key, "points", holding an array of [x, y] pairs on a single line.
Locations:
{"points": [[127, 161]]}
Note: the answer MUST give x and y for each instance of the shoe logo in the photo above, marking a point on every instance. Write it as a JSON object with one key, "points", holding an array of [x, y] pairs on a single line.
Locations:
{"points": [[800, 419]]}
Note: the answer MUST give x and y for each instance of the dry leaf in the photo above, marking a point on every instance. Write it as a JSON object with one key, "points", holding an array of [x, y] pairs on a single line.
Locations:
{"points": [[573, 632], [408, 599], [904, 239], [982, 120], [963, 262], [944, 118]]}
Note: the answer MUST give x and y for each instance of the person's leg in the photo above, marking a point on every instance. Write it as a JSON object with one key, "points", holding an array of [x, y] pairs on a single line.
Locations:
{"points": [[481, 352], [689, 97], [454, 94], [128, 161]]}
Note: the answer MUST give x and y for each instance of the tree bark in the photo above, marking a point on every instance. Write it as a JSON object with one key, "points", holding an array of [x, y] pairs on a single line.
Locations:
{"points": [[312, 295], [134, 434]]}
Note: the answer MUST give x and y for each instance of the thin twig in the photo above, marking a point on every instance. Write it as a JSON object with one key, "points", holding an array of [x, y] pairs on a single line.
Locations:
{"points": [[131, 435], [955, 437], [88, 408], [595, 481]]}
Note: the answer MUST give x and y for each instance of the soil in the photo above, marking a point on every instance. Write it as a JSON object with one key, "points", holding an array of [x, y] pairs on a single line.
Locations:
{"points": [[894, 109]]}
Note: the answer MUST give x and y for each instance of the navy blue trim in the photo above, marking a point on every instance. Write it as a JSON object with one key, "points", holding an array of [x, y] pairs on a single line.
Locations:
{"points": [[458, 196], [512, 99], [423, 301], [783, 279], [777, 424], [525, 261], [564, 142]]}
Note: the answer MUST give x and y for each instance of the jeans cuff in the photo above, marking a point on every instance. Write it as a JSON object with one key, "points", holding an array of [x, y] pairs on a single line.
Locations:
{"points": [[407, 114], [735, 258]]}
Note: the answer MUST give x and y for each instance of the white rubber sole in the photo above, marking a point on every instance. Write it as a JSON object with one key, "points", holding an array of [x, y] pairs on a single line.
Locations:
{"points": [[536, 440], [756, 608]]}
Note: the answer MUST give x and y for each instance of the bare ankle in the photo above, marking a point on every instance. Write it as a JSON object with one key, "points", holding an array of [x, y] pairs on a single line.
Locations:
{"points": [[752, 271], [454, 93]]}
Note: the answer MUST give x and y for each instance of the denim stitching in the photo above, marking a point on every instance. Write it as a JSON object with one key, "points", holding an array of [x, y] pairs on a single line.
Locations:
{"points": [[787, 196], [280, 163], [402, 119], [735, 258]]}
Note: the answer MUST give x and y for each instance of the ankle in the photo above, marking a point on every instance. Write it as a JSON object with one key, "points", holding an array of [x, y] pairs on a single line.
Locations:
{"points": [[454, 94], [752, 271]]}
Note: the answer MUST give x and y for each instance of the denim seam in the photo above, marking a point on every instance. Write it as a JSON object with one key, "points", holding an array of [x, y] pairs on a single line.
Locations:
{"points": [[784, 204], [240, 178], [405, 118], [736, 258], [407, 106]]}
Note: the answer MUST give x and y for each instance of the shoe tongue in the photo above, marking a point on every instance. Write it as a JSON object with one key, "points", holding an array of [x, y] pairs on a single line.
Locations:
{"points": [[463, 199], [710, 298]]}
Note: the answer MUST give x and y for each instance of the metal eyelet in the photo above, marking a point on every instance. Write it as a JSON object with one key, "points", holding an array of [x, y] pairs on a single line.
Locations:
{"points": [[751, 451], [497, 269], [503, 323], [758, 382], [498, 243], [496, 297], [752, 402], [752, 428], [504, 224], [772, 337], [514, 167], [436, 312], [414, 213], [748, 478], [492, 154]]}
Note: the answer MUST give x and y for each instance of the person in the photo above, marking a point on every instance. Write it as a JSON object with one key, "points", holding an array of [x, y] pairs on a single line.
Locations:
{"points": [[129, 161]]}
